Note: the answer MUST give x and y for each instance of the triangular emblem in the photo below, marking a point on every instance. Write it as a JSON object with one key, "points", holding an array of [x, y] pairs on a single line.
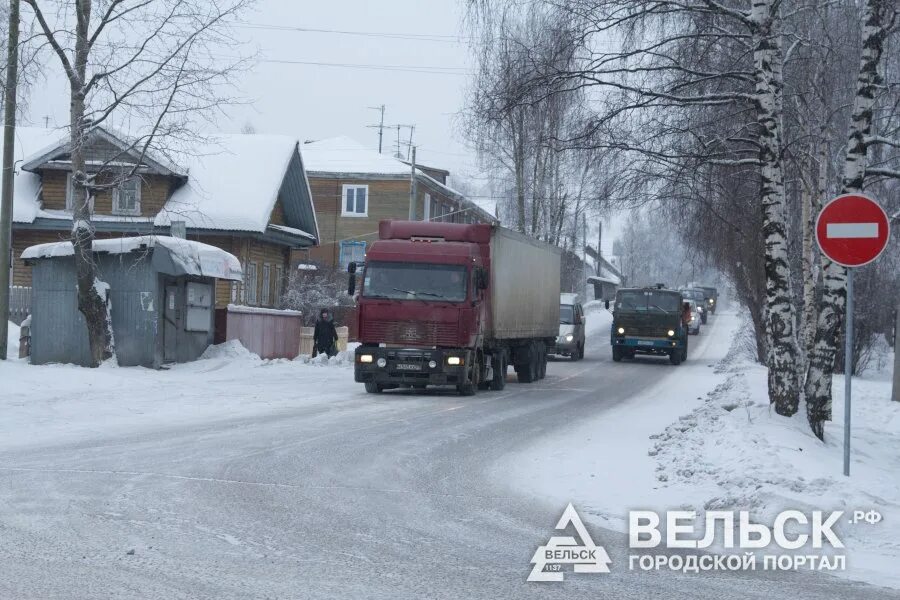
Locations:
{"points": [[583, 554]]}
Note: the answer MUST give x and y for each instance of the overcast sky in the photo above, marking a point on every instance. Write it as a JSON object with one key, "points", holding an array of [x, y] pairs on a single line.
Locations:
{"points": [[316, 101], [418, 46]]}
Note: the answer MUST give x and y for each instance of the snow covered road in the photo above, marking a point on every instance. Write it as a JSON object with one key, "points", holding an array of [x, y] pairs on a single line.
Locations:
{"points": [[234, 478]]}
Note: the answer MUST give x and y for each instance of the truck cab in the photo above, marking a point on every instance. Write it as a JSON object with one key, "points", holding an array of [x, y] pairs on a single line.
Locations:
{"points": [[649, 321]]}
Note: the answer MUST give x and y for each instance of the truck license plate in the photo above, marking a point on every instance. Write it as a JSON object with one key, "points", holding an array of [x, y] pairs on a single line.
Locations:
{"points": [[645, 343], [408, 367]]}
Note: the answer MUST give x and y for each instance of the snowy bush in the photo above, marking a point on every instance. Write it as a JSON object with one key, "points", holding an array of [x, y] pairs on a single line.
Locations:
{"points": [[312, 290]]}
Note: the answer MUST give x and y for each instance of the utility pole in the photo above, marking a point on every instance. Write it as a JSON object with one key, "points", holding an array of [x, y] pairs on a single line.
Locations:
{"points": [[896, 394], [409, 144], [6, 193], [412, 186], [380, 126], [599, 248]]}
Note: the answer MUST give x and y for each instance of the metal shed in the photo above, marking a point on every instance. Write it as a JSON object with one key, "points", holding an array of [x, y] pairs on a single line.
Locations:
{"points": [[161, 296]]}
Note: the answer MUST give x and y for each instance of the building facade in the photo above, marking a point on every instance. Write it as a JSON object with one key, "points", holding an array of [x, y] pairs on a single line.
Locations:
{"points": [[353, 188], [245, 194]]}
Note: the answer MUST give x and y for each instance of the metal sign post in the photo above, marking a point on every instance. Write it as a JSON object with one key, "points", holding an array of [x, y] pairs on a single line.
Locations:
{"points": [[852, 230], [848, 370]]}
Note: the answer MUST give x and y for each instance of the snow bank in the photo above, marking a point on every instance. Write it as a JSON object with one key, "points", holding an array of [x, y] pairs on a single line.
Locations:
{"points": [[705, 438], [734, 451], [230, 350], [12, 341]]}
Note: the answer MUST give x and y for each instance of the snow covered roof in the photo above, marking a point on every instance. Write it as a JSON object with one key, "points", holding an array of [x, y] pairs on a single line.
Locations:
{"points": [[129, 146], [26, 199], [233, 183], [187, 257], [345, 155]]}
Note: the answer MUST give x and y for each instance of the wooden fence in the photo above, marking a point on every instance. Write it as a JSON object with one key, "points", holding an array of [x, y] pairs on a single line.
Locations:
{"points": [[268, 333], [19, 303]]}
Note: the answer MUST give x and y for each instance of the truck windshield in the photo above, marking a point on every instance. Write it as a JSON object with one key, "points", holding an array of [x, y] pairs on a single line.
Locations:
{"points": [[648, 301], [414, 281], [566, 314]]}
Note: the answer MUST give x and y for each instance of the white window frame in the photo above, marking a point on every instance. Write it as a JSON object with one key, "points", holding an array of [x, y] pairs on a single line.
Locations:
{"points": [[345, 260], [70, 195], [266, 299], [252, 284], [136, 211], [279, 284], [426, 207], [344, 212]]}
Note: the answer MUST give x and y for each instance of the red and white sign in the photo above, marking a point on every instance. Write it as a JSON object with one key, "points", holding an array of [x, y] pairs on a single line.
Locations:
{"points": [[852, 230]]}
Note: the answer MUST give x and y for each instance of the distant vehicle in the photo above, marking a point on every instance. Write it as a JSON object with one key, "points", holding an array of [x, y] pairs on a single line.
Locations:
{"points": [[699, 298], [571, 327], [453, 304], [710, 297], [696, 319], [649, 321]]}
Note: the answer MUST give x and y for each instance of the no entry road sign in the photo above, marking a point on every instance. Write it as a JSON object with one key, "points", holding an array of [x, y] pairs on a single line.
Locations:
{"points": [[852, 230]]}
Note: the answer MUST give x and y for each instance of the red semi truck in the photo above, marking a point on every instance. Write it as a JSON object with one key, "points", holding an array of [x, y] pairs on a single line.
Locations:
{"points": [[454, 305]]}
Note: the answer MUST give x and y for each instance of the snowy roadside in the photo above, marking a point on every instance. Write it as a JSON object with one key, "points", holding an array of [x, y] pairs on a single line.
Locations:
{"points": [[65, 403], [705, 438]]}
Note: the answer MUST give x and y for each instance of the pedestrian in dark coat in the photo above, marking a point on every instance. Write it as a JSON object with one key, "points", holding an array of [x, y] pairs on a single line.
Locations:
{"points": [[325, 335]]}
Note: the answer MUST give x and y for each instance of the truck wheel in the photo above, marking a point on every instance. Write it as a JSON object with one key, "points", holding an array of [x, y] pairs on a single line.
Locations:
{"points": [[525, 372], [466, 389], [579, 354], [542, 366], [373, 388], [617, 354], [499, 380], [675, 357]]}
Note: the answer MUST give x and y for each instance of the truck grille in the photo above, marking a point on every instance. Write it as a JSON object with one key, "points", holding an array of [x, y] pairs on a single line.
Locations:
{"points": [[427, 333]]}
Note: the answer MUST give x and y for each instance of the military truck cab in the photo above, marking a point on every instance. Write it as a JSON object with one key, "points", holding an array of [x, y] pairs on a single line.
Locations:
{"points": [[649, 321]]}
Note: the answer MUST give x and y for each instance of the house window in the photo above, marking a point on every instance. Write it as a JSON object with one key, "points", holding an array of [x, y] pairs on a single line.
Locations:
{"points": [[279, 284], [234, 292], [266, 285], [127, 197], [434, 209], [426, 208], [250, 283], [352, 252], [70, 193], [356, 201]]}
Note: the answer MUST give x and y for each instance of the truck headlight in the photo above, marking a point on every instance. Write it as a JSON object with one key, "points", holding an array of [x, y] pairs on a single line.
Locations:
{"points": [[365, 358], [621, 330], [454, 361], [381, 363], [692, 318], [570, 337], [712, 301], [432, 364], [671, 332]]}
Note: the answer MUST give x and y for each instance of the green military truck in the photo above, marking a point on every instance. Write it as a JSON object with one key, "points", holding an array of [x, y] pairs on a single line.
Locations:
{"points": [[649, 321], [710, 297]]}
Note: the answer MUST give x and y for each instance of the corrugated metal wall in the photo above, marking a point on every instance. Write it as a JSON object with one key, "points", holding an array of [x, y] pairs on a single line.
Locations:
{"points": [[58, 329]]}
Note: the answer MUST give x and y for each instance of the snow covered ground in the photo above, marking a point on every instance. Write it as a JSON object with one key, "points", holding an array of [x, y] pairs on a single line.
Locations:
{"points": [[67, 403], [705, 438]]}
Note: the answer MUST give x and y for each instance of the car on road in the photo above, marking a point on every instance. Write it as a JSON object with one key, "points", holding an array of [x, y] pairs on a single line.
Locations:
{"points": [[571, 328], [694, 325], [649, 321], [699, 298]]}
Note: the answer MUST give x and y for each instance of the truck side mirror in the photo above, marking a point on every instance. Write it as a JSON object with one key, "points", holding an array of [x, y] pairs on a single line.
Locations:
{"points": [[481, 279]]}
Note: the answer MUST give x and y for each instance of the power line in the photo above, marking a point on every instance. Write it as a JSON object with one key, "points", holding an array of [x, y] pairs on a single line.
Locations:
{"points": [[430, 70], [422, 37]]}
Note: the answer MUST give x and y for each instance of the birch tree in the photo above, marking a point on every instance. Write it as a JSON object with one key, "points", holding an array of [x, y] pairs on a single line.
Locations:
{"points": [[150, 61], [879, 20]]}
